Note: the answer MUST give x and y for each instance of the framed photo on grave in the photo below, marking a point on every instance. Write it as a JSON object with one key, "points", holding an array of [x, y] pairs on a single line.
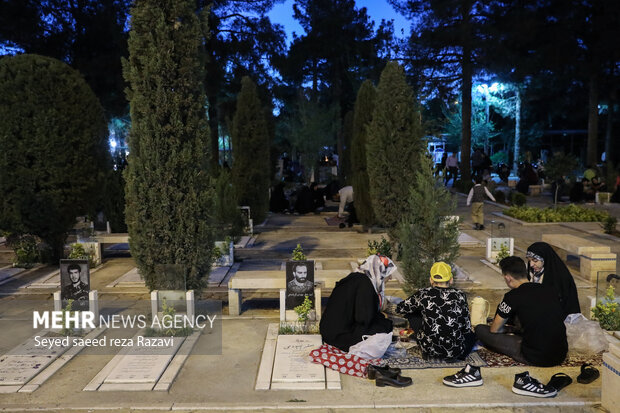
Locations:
{"points": [[299, 282], [75, 283]]}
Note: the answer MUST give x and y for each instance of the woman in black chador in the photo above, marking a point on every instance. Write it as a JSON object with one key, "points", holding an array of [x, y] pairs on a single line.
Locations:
{"points": [[354, 307], [545, 267]]}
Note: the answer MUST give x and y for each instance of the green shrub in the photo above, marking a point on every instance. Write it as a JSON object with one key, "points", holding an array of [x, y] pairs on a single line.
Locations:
{"points": [[382, 247], [79, 252], [26, 253], [298, 254], [609, 224], [518, 199], [570, 213], [499, 157], [606, 311], [503, 253], [168, 314]]}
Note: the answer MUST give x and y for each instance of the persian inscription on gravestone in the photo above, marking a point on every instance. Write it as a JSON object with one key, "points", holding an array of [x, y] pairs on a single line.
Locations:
{"points": [[143, 364], [26, 361], [292, 361]]}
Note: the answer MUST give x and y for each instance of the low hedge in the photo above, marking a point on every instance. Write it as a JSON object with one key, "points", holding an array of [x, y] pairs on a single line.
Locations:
{"points": [[570, 213]]}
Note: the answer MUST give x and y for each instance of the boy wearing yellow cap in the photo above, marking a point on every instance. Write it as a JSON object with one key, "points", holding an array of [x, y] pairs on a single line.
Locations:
{"points": [[439, 315]]}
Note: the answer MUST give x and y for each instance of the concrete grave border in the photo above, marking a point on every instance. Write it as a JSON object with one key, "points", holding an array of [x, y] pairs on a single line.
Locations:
{"points": [[41, 377], [263, 378]]}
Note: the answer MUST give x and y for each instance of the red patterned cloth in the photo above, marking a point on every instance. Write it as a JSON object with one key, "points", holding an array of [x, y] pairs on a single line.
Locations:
{"points": [[345, 363]]}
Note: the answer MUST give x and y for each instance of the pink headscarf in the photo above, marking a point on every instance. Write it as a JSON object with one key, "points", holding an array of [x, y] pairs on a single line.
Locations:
{"points": [[378, 268]]}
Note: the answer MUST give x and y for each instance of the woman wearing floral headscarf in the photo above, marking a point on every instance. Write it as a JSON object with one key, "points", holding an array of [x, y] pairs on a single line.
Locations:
{"points": [[354, 307], [545, 267]]}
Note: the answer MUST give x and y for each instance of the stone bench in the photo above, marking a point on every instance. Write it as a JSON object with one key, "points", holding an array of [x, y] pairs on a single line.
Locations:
{"points": [[536, 190], [593, 257], [272, 280]]}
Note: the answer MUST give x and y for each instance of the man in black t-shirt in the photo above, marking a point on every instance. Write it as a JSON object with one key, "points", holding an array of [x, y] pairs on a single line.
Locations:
{"points": [[542, 341]]}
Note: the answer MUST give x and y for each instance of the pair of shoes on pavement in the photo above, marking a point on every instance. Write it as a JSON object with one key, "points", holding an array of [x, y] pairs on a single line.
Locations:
{"points": [[387, 376], [524, 384], [478, 227]]}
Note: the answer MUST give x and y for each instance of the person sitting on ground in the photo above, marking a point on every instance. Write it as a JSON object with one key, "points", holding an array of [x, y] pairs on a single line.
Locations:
{"points": [[598, 185], [305, 201], [278, 201], [542, 341], [545, 267], [439, 315], [317, 197], [588, 190], [476, 197], [354, 307]]}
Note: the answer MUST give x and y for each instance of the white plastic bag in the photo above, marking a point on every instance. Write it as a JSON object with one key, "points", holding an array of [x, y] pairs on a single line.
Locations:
{"points": [[372, 347], [584, 336]]}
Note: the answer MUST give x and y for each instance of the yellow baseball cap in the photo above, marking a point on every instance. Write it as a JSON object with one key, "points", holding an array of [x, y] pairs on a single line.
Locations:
{"points": [[441, 272]]}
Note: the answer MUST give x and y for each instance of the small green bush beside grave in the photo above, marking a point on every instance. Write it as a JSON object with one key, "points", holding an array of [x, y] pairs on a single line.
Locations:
{"points": [[570, 213]]}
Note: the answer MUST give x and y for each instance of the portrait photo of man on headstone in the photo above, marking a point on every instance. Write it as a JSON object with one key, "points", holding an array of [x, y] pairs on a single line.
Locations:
{"points": [[74, 280], [299, 282]]}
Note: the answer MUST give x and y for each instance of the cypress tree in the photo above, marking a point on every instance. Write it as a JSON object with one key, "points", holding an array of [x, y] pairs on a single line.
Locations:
{"points": [[250, 141], [425, 234], [393, 148], [53, 136], [362, 115], [168, 193]]}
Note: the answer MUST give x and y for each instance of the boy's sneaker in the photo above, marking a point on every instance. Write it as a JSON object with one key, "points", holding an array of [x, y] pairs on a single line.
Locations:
{"points": [[469, 376], [529, 386]]}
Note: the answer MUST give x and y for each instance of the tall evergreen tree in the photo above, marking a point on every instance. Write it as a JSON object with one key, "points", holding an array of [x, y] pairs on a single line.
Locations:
{"points": [[53, 137], [425, 234], [362, 115], [169, 195], [250, 139], [394, 147]]}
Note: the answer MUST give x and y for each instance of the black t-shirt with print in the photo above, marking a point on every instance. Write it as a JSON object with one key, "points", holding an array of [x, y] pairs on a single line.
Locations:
{"points": [[445, 320], [540, 315]]}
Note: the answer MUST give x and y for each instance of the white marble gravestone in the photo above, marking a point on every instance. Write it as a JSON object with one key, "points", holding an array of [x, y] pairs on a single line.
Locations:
{"points": [[143, 364], [26, 361], [292, 368]]}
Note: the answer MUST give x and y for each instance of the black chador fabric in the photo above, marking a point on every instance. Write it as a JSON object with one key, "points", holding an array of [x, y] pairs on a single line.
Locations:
{"points": [[557, 277], [352, 311]]}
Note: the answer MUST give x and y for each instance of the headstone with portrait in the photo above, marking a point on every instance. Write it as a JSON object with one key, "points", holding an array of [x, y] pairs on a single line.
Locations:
{"points": [[75, 283], [299, 283]]}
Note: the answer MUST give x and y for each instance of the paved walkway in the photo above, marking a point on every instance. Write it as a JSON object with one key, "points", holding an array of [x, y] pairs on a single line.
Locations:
{"points": [[226, 382]]}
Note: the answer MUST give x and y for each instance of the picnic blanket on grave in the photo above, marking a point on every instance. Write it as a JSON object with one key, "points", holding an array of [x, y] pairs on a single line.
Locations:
{"points": [[345, 363], [415, 360], [494, 359]]}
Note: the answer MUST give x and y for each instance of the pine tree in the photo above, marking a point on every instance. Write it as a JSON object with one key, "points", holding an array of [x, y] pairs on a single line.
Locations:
{"points": [[250, 140], [53, 138], [362, 115], [169, 195], [426, 236], [393, 148]]}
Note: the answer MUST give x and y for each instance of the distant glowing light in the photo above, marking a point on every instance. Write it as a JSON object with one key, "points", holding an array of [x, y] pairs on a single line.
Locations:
{"points": [[113, 143]]}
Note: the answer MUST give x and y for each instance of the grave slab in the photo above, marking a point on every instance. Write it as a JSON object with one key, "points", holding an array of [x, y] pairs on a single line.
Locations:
{"points": [[292, 363], [143, 364], [9, 272], [25, 361]]}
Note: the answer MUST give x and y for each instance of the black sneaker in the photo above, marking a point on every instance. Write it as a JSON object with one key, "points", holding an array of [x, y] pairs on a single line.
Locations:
{"points": [[469, 376], [529, 386]]}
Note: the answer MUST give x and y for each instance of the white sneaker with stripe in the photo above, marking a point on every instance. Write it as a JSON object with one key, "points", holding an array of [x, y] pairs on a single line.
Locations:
{"points": [[529, 386], [469, 376]]}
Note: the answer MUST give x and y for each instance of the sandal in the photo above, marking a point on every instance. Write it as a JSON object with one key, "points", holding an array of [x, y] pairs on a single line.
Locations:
{"points": [[559, 380], [588, 374]]}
